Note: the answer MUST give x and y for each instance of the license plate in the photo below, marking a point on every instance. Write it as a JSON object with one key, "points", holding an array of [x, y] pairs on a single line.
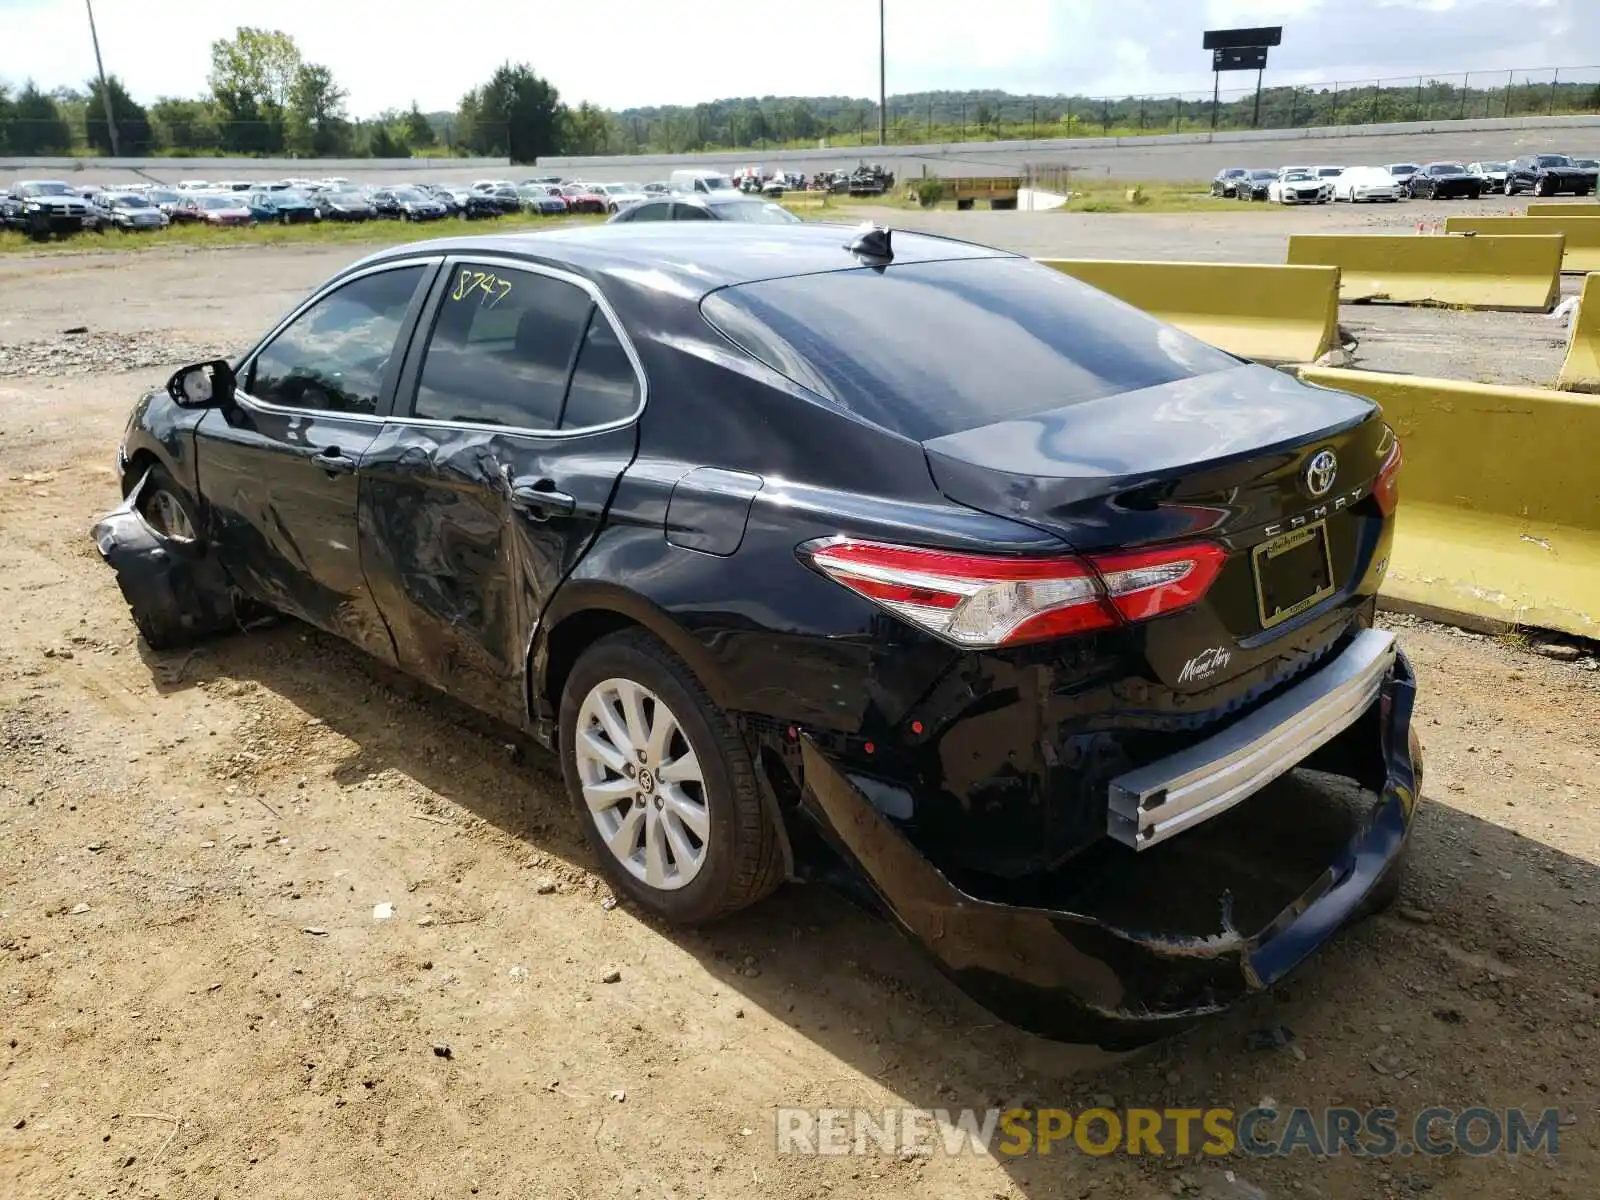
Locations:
{"points": [[1294, 572]]}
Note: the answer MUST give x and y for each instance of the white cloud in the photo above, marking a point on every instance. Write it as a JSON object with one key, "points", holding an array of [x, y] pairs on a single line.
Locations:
{"points": [[639, 52]]}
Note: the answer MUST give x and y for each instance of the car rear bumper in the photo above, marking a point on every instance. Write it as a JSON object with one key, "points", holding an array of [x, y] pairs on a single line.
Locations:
{"points": [[1071, 975]]}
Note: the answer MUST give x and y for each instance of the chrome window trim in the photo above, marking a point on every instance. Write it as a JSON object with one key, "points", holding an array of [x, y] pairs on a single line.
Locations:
{"points": [[247, 362], [600, 301]]}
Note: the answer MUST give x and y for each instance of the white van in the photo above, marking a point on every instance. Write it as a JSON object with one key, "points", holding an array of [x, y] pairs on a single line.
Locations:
{"points": [[704, 182]]}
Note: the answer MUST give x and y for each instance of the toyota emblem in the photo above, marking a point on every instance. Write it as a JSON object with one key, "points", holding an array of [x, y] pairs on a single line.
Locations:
{"points": [[1321, 471]]}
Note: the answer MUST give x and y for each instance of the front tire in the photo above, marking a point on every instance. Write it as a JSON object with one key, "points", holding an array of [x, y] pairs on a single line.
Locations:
{"points": [[663, 785]]}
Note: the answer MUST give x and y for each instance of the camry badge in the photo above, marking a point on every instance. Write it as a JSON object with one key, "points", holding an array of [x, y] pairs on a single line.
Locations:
{"points": [[1320, 473]]}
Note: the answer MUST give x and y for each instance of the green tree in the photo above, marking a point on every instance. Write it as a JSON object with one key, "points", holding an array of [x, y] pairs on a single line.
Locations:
{"points": [[417, 129], [184, 125], [587, 130], [37, 124], [315, 122], [516, 113], [252, 75], [7, 115], [133, 123], [384, 141]]}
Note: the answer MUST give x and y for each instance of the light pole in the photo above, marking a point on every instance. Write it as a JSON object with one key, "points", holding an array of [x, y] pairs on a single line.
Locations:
{"points": [[883, 96], [105, 93]]}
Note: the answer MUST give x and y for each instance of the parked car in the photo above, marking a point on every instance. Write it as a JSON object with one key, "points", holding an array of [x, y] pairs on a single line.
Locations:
{"points": [[694, 180], [657, 189], [343, 204], [1294, 170], [620, 195], [1360, 184], [585, 198], [1402, 173], [1326, 172], [729, 207], [543, 198], [218, 209], [1591, 167], [285, 207], [1300, 187], [40, 207], [1225, 182], [407, 204], [163, 198], [1493, 174], [473, 206], [1445, 181], [504, 196], [130, 212], [1546, 175], [1257, 185], [1000, 681]]}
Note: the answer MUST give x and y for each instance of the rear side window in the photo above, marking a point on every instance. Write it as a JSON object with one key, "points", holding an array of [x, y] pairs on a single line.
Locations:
{"points": [[502, 348], [604, 385], [929, 349]]}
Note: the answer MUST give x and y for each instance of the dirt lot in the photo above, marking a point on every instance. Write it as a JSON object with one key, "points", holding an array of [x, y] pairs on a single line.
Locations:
{"points": [[199, 1001]]}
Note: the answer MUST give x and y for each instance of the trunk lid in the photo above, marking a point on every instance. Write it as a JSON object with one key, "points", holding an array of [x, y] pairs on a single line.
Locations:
{"points": [[1224, 457]]}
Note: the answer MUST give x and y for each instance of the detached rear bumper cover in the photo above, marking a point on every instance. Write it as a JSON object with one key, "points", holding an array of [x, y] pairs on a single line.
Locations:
{"points": [[1073, 977]]}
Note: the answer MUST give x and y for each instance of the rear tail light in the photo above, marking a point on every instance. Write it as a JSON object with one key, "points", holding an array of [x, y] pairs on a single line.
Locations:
{"points": [[1386, 491], [984, 600]]}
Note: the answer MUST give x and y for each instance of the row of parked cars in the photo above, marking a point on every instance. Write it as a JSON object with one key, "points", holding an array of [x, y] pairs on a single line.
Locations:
{"points": [[42, 207], [1539, 174]]}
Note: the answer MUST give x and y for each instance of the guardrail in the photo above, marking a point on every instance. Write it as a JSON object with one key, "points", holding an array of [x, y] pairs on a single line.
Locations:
{"points": [[1273, 314], [1582, 233], [1581, 370], [1516, 272], [1499, 519]]}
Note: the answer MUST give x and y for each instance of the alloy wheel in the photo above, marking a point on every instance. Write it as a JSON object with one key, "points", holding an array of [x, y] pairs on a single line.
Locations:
{"points": [[642, 784]]}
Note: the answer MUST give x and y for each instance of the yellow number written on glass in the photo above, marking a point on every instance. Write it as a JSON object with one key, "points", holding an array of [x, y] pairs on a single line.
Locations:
{"points": [[489, 289]]}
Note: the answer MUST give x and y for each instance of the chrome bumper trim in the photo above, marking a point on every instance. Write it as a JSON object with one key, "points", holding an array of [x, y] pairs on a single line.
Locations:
{"points": [[1154, 802]]}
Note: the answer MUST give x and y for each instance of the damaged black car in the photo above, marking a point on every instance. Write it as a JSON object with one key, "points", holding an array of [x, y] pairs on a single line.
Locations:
{"points": [[813, 552]]}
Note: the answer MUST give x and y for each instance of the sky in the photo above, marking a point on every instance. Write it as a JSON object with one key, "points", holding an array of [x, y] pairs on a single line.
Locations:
{"points": [[622, 53]]}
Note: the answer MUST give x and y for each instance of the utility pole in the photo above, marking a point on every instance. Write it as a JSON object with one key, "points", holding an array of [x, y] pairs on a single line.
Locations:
{"points": [[105, 93], [883, 95]]}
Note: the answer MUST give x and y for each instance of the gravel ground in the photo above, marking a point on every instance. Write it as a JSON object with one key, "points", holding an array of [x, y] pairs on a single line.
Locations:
{"points": [[198, 998]]}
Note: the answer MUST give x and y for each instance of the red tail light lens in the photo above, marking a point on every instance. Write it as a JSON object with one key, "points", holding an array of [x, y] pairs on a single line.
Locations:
{"points": [[985, 600], [1386, 491]]}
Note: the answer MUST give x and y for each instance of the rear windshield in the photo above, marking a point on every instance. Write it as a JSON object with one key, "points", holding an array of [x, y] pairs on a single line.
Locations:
{"points": [[929, 349]]}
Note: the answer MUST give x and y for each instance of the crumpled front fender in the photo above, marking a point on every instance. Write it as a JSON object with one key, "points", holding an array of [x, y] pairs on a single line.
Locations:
{"points": [[1073, 977], [176, 591]]}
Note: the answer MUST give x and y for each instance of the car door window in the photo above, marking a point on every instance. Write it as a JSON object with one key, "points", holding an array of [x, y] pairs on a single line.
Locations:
{"points": [[501, 351], [333, 356], [689, 212], [605, 387], [648, 212]]}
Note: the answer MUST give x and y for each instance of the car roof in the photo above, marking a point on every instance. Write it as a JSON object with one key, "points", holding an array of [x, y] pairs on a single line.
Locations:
{"points": [[693, 258]]}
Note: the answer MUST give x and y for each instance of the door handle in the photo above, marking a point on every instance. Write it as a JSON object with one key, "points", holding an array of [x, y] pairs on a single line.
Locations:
{"points": [[542, 498], [334, 462]]}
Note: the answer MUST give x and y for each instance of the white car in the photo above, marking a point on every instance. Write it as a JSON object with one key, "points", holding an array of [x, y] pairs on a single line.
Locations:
{"points": [[1493, 174], [621, 195], [1402, 173], [1286, 171], [1300, 187], [1357, 184], [1328, 172]]}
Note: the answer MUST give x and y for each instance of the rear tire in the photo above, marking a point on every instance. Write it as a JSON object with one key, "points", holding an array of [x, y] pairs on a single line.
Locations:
{"points": [[707, 780]]}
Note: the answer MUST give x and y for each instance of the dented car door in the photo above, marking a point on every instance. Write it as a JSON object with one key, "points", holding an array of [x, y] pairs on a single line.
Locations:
{"points": [[280, 467], [513, 420]]}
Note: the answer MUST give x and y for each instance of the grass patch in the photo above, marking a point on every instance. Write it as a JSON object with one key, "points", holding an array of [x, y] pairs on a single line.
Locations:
{"points": [[1149, 196], [387, 233]]}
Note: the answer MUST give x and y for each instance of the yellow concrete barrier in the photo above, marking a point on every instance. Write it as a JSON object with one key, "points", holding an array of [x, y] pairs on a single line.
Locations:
{"points": [[1554, 208], [1488, 271], [1581, 370], [1269, 313], [1499, 513], [1582, 234]]}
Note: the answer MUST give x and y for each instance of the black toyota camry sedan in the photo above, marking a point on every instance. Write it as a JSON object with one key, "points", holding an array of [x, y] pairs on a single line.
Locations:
{"points": [[825, 552]]}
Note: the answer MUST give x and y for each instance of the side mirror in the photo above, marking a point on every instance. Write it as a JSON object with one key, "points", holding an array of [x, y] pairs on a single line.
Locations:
{"points": [[203, 385]]}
